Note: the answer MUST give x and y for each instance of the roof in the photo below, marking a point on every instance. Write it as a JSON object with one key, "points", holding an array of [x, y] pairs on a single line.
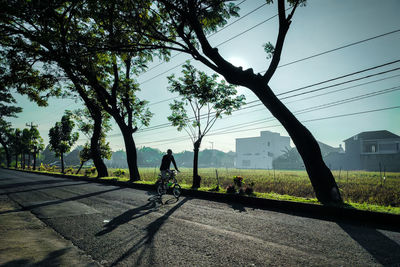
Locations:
{"points": [[374, 135]]}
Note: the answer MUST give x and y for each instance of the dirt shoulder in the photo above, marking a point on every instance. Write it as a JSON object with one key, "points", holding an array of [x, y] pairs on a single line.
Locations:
{"points": [[27, 241]]}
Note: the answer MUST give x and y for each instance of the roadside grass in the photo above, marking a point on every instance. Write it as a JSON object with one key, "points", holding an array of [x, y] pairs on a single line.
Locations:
{"points": [[372, 191]]}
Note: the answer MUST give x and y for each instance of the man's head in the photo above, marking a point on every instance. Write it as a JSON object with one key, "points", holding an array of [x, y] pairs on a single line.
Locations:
{"points": [[169, 152]]}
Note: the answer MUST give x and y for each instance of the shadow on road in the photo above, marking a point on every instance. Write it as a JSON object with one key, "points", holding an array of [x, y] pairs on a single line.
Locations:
{"points": [[46, 182], [146, 242], [384, 250], [128, 216], [41, 188], [239, 207], [48, 203], [52, 259]]}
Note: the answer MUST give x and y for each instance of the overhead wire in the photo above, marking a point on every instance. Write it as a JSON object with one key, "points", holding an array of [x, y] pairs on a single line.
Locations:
{"points": [[277, 125], [308, 86]]}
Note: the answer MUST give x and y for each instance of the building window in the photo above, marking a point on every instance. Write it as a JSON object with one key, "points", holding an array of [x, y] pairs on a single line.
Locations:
{"points": [[247, 154], [388, 147], [268, 144], [246, 163], [257, 154], [370, 147], [270, 154]]}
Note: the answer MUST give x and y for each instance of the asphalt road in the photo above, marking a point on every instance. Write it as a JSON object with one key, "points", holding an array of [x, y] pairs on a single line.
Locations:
{"points": [[126, 227]]}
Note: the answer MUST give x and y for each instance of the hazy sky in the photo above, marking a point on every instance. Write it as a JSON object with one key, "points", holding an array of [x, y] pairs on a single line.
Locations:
{"points": [[320, 26]]}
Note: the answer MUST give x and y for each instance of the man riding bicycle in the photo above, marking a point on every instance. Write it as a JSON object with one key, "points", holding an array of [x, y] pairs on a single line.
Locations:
{"points": [[165, 164]]}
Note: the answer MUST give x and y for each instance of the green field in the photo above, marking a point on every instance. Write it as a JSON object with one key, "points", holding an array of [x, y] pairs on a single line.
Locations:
{"points": [[365, 190], [355, 186]]}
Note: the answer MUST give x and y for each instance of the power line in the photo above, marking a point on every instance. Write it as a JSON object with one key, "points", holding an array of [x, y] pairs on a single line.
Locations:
{"points": [[278, 125], [305, 87], [339, 48], [295, 61], [306, 110], [319, 107], [214, 33], [224, 42]]}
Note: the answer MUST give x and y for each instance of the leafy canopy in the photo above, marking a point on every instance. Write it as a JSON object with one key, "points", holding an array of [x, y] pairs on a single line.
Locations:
{"points": [[205, 96], [61, 136]]}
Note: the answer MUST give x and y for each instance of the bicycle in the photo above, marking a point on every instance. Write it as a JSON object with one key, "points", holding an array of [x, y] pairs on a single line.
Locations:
{"points": [[165, 184]]}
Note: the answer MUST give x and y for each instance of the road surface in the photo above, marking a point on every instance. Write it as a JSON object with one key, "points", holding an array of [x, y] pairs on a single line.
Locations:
{"points": [[117, 226]]}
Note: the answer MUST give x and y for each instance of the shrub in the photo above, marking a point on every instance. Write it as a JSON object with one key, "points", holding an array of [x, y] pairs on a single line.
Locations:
{"points": [[93, 170], [241, 191], [119, 173], [230, 189], [42, 167], [69, 170], [249, 191], [238, 181], [87, 172]]}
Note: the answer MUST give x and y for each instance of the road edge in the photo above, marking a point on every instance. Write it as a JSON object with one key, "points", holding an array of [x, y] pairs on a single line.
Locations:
{"points": [[331, 213]]}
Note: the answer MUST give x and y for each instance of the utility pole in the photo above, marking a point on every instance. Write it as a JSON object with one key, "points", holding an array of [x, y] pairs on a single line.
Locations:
{"points": [[212, 149], [34, 148], [31, 125]]}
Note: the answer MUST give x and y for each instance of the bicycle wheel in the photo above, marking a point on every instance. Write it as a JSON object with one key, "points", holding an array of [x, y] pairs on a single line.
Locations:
{"points": [[176, 191], [161, 190]]}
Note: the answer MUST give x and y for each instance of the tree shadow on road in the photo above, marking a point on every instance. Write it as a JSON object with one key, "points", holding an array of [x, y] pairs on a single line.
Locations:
{"points": [[42, 188], [59, 201], [129, 216], [384, 250], [239, 207], [46, 182], [52, 259], [146, 242]]}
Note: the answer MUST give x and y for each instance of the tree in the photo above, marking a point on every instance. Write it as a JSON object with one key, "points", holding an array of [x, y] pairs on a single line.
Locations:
{"points": [[37, 144], [84, 155], [25, 147], [94, 128], [59, 33], [208, 100], [184, 25], [6, 137], [62, 138], [17, 144]]}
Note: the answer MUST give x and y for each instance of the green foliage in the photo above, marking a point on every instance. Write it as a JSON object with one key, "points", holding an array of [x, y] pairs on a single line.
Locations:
{"points": [[269, 49], [42, 167], [357, 187], [200, 92], [238, 181], [61, 136], [119, 173]]}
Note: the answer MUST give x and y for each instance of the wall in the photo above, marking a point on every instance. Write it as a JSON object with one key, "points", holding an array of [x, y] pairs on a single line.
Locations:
{"points": [[258, 152]]}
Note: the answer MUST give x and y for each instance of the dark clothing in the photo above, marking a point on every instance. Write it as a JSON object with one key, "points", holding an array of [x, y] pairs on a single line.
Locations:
{"points": [[166, 162]]}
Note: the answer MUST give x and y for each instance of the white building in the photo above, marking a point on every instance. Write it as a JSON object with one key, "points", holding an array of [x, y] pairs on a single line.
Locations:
{"points": [[258, 152]]}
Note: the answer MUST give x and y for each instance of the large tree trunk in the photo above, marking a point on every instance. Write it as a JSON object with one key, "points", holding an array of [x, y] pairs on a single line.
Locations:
{"points": [[62, 162], [95, 148], [23, 161], [29, 160], [8, 155], [196, 177], [80, 167], [131, 155], [321, 177]]}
